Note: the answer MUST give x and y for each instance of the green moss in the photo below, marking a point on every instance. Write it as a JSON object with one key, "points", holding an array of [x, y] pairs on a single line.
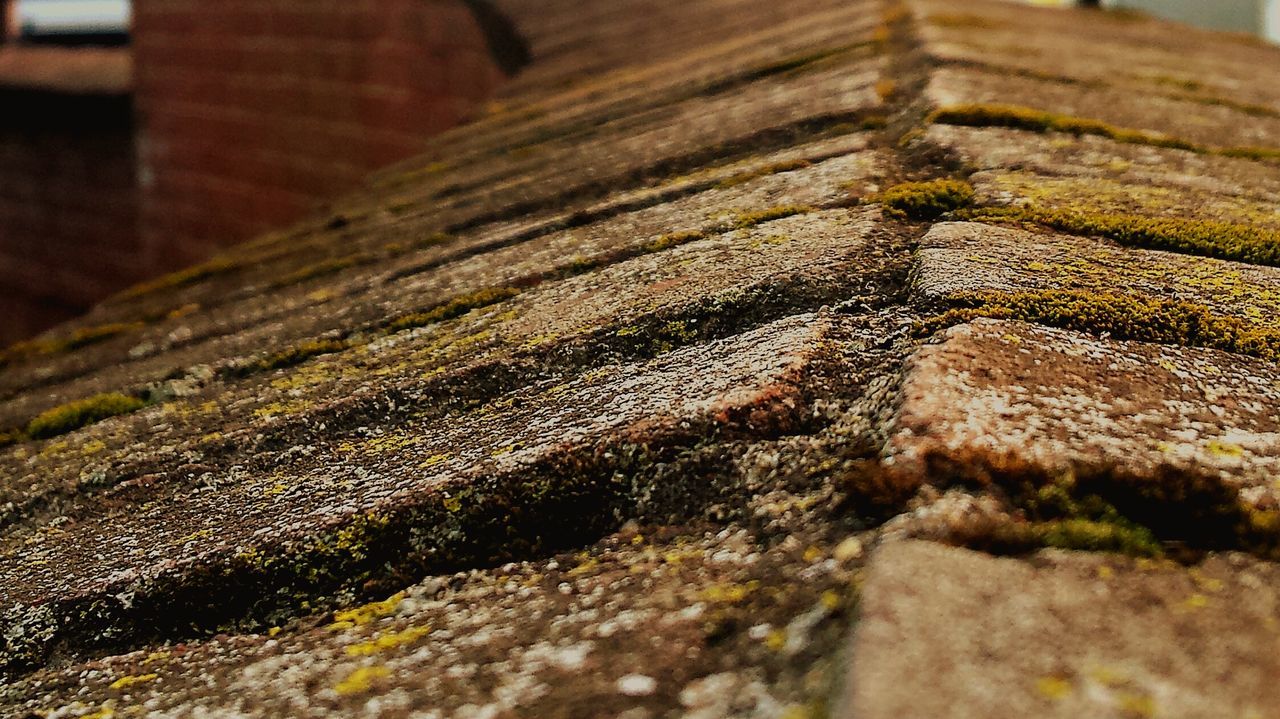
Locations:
{"points": [[320, 269], [674, 239], [291, 356], [1146, 512], [1128, 317], [454, 308], [74, 415], [1027, 118], [926, 200], [746, 220], [10, 437], [1064, 515], [1245, 107], [1230, 241], [1252, 153], [579, 265], [1078, 534], [773, 169], [182, 278], [81, 337]]}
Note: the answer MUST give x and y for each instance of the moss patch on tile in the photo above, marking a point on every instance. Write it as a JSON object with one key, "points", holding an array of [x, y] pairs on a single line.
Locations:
{"points": [[81, 337], [323, 268], [926, 200], [1210, 238], [747, 220], [1063, 518], [74, 415], [1164, 510], [1125, 317], [1078, 534], [1020, 117], [181, 278], [456, 307], [764, 171], [673, 239], [1026, 118], [289, 357]]}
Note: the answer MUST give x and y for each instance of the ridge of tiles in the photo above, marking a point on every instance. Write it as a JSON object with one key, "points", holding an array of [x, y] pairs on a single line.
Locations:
{"points": [[660, 391]]}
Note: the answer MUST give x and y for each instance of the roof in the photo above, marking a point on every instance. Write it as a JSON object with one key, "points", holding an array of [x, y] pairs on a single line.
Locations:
{"points": [[818, 358]]}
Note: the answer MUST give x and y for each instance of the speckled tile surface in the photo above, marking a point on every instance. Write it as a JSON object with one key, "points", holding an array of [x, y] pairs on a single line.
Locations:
{"points": [[658, 391]]}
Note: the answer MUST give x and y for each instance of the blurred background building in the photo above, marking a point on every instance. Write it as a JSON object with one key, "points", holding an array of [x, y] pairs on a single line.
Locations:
{"points": [[135, 140], [140, 137], [67, 22], [1257, 17]]}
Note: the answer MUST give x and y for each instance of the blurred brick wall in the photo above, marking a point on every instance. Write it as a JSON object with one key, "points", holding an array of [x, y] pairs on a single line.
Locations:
{"points": [[68, 206], [252, 112], [245, 115]]}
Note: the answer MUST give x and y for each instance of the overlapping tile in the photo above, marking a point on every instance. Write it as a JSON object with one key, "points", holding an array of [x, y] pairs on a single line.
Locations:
{"points": [[950, 632]]}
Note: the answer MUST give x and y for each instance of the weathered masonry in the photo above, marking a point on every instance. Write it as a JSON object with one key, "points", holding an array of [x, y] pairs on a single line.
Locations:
{"points": [[746, 359]]}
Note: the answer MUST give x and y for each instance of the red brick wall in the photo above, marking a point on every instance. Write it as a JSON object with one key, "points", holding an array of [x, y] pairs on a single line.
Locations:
{"points": [[68, 206], [252, 112]]}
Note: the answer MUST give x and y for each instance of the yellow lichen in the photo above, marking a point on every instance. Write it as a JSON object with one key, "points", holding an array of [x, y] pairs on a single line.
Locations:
{"points": [[361, 680], [729, 593], [153, 657], [1224, 449], [387, 641], [127, 682], [359, 616]]}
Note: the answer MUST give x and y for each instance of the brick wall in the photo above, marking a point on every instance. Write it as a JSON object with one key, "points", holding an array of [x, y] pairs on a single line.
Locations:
{"points": [[245, 115], [68, 205], [252, 112]]}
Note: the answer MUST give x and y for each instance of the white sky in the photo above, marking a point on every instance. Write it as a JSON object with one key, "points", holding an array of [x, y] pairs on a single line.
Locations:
{"points": [[55, 14]]}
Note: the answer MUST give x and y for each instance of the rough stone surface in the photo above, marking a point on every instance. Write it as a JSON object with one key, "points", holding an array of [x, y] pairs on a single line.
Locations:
{"points": [[597, 408], [1061, 399], [950, 632], [958, 258]]}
